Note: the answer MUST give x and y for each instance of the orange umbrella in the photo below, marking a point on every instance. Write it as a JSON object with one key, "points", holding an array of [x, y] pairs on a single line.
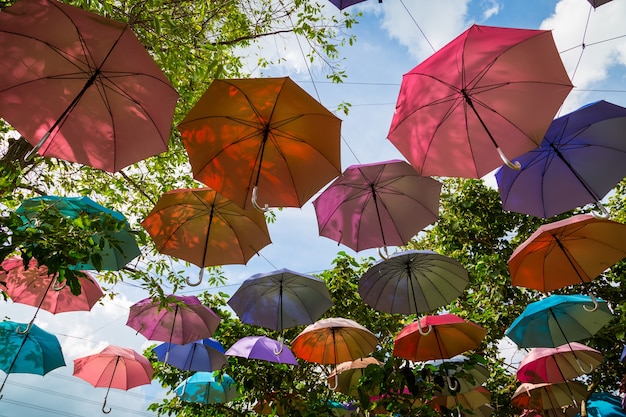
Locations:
{"points": [[205, 228], [437, 337], [546, 396], [265, 136], [567, 252]]}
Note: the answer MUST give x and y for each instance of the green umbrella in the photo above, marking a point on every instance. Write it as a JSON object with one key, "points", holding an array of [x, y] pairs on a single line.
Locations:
{"points": [[117, 245]]}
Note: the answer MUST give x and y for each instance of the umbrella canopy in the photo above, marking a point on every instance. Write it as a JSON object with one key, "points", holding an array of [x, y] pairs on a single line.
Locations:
{"points": [[412, 282], [488, 93], [603, 404], [82, 86], [205, 228], [570, 251], [342, 4], [377, 205], [470, 400], [437, 337], [558, 364], [202, 355], [262, 348], [595, 3], [116, 248], [180, 320], [580, 159], [281, 299], [348, 373], [546, 396], [208, 388], [459, 375], [264, 136], [32, 352], [558, 320], [114, 367], [334, 340]]}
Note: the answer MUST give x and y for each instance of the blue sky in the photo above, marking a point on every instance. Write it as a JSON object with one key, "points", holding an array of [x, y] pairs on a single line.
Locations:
{"points": [[389, 44]]}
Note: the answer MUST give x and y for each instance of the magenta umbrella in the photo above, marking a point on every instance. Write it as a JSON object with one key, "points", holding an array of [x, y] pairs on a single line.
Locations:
{"points": [[377, 205], [558, 364], [262, 348], [176, 320]]}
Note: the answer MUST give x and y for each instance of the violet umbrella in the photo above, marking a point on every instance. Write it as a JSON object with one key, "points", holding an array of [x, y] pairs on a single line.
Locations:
{"points": [[114, 367], [262, 348], [581, 158], [486, 97], [342, 4], [377, 205], [81, 87], [558, 364]]}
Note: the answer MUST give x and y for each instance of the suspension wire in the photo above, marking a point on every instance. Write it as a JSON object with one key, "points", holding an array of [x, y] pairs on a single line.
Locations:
{"points": [[418, 26]]}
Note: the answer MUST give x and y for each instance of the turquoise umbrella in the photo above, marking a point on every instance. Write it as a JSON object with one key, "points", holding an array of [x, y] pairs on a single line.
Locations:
{"points": [[118, 247], [208, 388], [27, 352], [603, 404], [557, 320]]}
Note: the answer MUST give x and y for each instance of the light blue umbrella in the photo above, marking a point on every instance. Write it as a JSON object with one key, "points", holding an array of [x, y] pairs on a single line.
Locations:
{"points": [[208, 388], [202, 355], [557, 320], [28, 352], [603, 404]]}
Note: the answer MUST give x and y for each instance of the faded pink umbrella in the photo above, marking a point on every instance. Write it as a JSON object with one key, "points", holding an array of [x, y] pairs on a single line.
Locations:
{"points": [[558, 364], [114, 367], [35, 287]]}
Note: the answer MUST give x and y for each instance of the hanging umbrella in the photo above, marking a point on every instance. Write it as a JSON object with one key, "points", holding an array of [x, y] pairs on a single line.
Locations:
{"points": [[413, 282], [81, 87], [262, 348], [437, 337], [470, 400], [486, 97], [571, 251], [33, 352], [558, 320], [377, 205], [595, 3], [280, 299], [208, 388], [570, 411], [580, 159], [349, 373], [114, 367], [116, 248], [202, 355], [264, 136], [603, 404], [546, 396], [35, 287], [460, 373], [342, 4], [202, 227], [178, 320], [558, 364]]}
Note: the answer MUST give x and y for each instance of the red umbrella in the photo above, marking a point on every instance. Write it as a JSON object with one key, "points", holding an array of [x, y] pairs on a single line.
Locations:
{"points": [[179, 319], [490, 92], [81, 87], [35, 287], [558, 364], [114, 367]]}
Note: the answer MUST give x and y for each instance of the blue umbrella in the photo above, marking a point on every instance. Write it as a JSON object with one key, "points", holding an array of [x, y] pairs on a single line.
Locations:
{"points": [[202, 355], [603, 404], [557, 320], [581, 158], [117, 247], [28, 352], [207, 388]]}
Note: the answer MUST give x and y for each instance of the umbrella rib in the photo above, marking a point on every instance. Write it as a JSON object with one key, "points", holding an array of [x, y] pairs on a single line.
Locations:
{"points": [[575, 266]]}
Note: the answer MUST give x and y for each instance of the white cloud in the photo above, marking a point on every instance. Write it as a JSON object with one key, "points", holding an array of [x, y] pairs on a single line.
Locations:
{"points": [[492, 8]]}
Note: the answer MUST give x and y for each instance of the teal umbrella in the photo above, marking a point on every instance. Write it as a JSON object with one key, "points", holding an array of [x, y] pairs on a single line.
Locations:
{"points": [[27, 352], [603, 404], [557, 320], [117, 247], [208, 388]]}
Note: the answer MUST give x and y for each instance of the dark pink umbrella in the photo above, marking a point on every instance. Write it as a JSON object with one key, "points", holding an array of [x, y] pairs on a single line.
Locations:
{"points": [[377, 205], [178, 320], [114, 367], [558, 364]]}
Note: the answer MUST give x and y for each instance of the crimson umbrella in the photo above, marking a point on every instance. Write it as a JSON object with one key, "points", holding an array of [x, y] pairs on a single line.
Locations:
{"points": [[486, 97], [81, 87], [558, 364], [377, 205], [114, 367]]}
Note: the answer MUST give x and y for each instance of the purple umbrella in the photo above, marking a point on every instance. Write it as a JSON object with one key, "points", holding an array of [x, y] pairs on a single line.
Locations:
{"points": [[202, 355], [377, 205], [262, 348], [342, 4], [581, 158]]}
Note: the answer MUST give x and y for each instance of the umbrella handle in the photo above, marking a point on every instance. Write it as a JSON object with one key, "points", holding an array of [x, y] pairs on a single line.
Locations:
{"points": [[604, 213], [580, 366], [336, 384], [277, 352], [26, 330], [513, 165], [198, 282], [104, 405], [383, 253], [422, 331], [57, 286], [453, 385], [595, 304], [255, 191]]}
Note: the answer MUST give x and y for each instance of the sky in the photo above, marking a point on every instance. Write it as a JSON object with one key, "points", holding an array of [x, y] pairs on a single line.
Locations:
{"points": [[392, 38]]}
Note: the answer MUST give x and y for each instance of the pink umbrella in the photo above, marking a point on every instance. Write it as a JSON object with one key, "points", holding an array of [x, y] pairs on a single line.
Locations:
{"points": [[377, 205], [35, 287], [558, 364], [178, 320], [114, 367]]}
